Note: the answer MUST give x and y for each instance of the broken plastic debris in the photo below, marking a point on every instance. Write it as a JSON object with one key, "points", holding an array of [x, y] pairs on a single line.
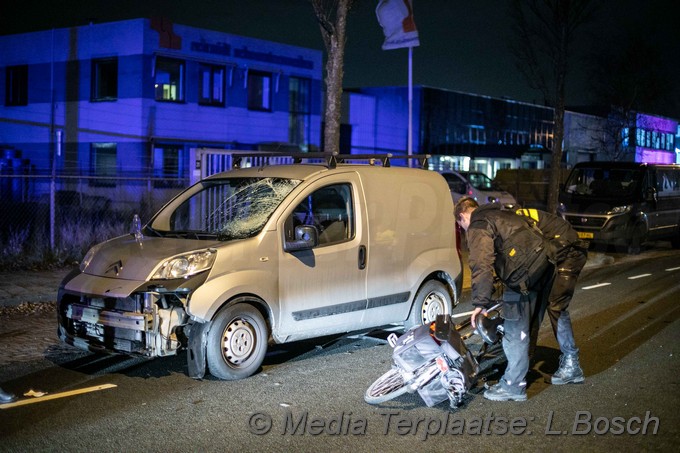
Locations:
{"points": [[35, 394]]}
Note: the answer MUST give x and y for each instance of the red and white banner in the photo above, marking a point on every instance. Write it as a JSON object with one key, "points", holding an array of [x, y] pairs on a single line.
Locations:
{"points": [[396, 19]]}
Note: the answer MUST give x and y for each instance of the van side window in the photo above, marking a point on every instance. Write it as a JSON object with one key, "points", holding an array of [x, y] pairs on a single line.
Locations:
{"points": [[330, 210], [668, 182]]}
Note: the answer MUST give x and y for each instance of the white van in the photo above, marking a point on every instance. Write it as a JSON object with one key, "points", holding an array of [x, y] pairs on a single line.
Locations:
{"points": [[270, 254], [478, 186]]}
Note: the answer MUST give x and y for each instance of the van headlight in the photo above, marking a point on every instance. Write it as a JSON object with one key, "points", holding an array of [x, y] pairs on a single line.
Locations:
{"points": [[186, 265], [619, 210], [88, 257]]}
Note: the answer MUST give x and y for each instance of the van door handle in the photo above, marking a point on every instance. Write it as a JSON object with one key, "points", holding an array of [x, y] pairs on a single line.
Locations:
{"points": [[362, 257]]}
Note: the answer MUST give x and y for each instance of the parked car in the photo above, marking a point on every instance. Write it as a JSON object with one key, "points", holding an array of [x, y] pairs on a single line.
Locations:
{"points": [[270, 254], [623, 203], [478, 186]]}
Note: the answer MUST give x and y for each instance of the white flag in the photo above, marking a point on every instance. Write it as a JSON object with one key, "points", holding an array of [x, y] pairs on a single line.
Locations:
{"points": [[396, 19]]}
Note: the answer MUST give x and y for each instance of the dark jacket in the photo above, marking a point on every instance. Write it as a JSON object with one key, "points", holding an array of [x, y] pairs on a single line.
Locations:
{"points": [[489, 228]]}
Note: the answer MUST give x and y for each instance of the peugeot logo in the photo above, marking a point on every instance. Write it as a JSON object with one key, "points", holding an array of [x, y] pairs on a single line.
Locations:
{"points": [[115, 267], [584, 219]]}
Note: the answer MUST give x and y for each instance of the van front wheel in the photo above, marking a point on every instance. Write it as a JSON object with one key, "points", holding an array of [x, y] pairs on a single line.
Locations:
{"points": [[675, 240], [237, 342], [636, 240], [432, 299]]}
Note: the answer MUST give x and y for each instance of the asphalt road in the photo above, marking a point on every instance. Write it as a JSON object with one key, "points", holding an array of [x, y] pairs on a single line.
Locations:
{"points": [[309, 395]]}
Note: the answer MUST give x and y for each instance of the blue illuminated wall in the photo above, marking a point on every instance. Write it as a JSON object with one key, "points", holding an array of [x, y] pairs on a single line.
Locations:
{"points": [[61, 79], [655, 139]]}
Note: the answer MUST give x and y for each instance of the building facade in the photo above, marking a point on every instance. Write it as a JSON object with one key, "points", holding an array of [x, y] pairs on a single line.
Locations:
{"points": [[117, 108], [464, 131], [616, 134], [116, 105]]}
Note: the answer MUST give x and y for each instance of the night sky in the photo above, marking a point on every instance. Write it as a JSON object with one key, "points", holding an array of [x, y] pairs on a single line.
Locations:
{"points": [[464, 44]]}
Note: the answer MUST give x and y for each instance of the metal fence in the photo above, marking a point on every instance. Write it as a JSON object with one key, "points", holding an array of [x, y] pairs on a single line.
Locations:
{"points": [[54, 219]]}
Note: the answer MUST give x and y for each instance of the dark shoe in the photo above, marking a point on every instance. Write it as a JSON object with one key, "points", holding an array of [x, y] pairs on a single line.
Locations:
{"points": [[6, 397], [569, 372], [499, 392]]}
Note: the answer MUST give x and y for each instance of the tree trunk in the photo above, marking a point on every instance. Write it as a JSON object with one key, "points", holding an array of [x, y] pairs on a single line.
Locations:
{"points": [[560, 95], [333, 33]]}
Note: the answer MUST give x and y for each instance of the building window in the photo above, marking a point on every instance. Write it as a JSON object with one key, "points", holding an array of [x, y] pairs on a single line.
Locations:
{"points": [[169, 82], [16, 92], [639, 137], [625, 134], [299, 106], [259, 91], [105, 79], [168, 166], [211, 80], [104, 165]]}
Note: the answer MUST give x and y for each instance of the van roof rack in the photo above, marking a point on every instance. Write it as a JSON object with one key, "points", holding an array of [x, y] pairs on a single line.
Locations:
{"points": [[331, 159]]}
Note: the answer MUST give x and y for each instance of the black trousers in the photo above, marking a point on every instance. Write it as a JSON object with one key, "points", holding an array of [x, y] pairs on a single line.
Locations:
{"points": [[556, 291]]}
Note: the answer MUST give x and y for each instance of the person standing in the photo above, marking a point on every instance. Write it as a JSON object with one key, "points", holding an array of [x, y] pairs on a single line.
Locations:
{"points": [[571, 255]]}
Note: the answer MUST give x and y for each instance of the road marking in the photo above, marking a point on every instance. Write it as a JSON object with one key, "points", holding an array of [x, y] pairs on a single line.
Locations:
{"points": [[596, 286], [672, 269], [638, 276], [57, 395]]}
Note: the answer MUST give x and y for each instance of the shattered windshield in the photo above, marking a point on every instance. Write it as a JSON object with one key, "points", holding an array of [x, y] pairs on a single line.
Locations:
{"points": [[603, 182], [225, 209]]}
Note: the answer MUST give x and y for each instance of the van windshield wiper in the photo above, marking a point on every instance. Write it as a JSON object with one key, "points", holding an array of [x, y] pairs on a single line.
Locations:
{"points": [[199, 235]]}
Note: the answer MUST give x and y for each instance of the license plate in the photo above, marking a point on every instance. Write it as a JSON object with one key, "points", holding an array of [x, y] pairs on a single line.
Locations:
{"points": [[585, 235]]}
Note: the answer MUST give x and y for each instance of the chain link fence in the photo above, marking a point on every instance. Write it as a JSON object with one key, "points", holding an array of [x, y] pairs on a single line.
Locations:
{"points": [[50, 220]]}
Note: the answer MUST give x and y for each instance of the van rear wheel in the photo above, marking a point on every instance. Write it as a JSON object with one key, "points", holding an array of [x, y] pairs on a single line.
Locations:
{"points": [[237, 342], [432, 299]]}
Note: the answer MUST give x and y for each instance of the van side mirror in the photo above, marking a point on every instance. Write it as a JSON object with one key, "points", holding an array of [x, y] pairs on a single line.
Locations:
{"points": [[306, 237]]}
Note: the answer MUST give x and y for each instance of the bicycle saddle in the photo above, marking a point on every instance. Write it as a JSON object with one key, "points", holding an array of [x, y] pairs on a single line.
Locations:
{"points": [[487, 327]]}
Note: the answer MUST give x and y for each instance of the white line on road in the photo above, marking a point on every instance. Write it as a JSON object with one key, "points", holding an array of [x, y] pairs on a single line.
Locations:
{"points": [[672, 269], [596, 286], [57, 395], [638, 276]]}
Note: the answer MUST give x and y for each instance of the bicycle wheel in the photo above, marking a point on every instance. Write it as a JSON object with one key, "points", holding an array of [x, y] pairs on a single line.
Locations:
{"points": [[388, 386]]}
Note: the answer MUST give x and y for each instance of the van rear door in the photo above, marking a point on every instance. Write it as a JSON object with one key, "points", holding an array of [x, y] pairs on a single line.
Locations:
{"points": [[406, 225]]}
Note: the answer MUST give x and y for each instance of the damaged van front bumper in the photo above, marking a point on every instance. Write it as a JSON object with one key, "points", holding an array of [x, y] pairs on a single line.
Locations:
{"points": [[101, 314]]}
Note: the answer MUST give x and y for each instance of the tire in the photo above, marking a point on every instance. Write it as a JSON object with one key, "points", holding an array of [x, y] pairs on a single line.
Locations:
{"points": [[675, 240], [388, 386], [237, 342], [432, 299], [636, 240]]}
